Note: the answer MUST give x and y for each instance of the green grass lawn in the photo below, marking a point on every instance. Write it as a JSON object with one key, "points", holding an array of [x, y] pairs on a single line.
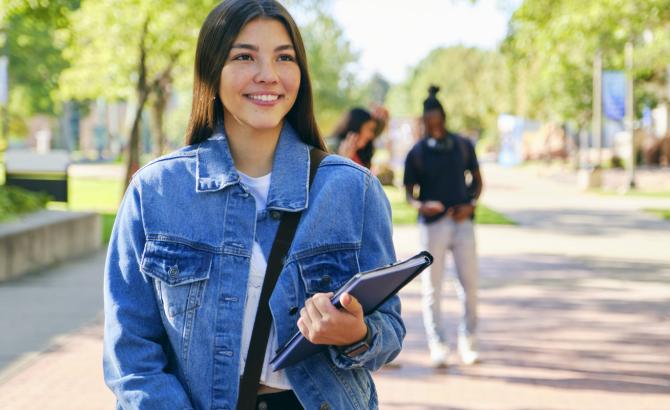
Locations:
{"points": [[403, 214], [663, 213]]}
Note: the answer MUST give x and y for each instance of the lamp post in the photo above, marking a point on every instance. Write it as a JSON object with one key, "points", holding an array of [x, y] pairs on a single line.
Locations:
{"points": [[4, 83], [597, 119], [630, 113]]}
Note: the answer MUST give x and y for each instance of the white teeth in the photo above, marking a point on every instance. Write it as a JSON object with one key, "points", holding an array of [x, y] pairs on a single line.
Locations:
{"points": [[264, 97]]}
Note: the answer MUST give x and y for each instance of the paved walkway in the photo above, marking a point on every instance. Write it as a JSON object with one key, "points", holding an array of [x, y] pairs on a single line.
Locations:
{"points": [[573, 315], [573, 307], [37, 307]]}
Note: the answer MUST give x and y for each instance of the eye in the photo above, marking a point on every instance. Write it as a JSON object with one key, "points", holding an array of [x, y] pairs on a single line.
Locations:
{"points": [[242, 57], [286, 57]]}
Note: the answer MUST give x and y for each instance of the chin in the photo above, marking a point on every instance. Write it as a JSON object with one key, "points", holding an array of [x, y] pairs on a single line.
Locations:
{"points": [[264, 125]]}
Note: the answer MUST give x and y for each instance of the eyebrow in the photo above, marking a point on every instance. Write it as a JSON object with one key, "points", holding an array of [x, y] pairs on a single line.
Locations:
{"points": [[255, 48]]}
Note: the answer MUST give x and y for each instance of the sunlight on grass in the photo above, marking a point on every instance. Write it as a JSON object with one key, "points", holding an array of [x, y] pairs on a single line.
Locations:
{"points": [[663, 213], [95, 194]]}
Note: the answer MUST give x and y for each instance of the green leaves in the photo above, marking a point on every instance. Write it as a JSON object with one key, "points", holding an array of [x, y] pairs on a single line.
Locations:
{"points": [[15, 201], [552, 43], [35, 53], [104, 44], [474, 87]]}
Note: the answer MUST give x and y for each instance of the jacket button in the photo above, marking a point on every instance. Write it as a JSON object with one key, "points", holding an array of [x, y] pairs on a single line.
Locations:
{"points": [[325, 406], [293, 310], [262, 406], [325, 280], [275, 214]]}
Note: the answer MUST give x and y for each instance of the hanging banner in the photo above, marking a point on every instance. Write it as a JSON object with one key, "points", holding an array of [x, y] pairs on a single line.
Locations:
{"points": [[614, 95]]}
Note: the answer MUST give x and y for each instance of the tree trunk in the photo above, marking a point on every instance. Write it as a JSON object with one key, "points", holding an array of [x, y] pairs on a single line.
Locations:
{"points": [[161, 88], [133, 149], [157, 111]]}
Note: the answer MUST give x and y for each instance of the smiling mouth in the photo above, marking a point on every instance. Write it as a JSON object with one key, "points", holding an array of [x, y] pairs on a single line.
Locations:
{"points": [[264, 98]]}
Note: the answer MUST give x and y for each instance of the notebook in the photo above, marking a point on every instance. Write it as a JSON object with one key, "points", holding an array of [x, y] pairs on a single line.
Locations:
{"points": [[371, 288]]}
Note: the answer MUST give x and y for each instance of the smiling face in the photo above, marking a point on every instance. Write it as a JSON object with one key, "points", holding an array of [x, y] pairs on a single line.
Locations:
{"points": [[260, 78]]}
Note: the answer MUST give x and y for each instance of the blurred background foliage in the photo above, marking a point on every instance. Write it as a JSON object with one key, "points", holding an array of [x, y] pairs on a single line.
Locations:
{"points": [[77, 51]]}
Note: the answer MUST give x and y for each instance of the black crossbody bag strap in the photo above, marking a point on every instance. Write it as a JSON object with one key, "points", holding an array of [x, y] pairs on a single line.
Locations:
{"points": [[259, 336]]}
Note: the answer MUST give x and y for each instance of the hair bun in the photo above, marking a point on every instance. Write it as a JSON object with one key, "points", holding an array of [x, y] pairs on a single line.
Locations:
{"points": [[433, 90]]}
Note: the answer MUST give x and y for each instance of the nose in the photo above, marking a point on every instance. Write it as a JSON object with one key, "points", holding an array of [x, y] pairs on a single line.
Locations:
{"points": [[267, 72]]}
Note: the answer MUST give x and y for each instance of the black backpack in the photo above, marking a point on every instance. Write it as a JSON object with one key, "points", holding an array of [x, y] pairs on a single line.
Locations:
{"points": [[462, 144]]}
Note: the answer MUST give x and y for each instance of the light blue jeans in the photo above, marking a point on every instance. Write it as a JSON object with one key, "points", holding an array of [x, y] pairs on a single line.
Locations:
{"points": [[439, 237]]}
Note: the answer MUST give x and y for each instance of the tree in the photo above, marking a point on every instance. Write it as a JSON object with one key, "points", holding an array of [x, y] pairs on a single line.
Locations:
{"points": [[373, 91], [131, 50], [474, 87], [330, 57], [34, 48], [551, 45]]}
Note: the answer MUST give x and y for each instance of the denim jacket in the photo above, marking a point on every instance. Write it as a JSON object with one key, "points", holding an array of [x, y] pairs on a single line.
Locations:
{"points": [[177, 267]]}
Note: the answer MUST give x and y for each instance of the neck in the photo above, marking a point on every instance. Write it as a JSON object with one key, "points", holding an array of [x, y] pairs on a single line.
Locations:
{"points": [[252, 150], [438, 133]]}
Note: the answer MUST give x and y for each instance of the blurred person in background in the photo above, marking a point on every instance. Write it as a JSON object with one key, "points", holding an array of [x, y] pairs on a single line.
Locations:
{"points": [[195, 237], [436, 185], [354, 137]]}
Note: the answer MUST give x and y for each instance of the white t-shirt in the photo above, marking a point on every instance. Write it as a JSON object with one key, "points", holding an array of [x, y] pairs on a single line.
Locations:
{"points": [[259, 187]]}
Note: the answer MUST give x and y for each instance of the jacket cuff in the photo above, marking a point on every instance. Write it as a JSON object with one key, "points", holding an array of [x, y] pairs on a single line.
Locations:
{"points": [[345, 362]]}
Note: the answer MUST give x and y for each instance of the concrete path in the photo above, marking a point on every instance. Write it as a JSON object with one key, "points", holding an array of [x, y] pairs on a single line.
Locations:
{"points": [[39, 307], [573, 306]]}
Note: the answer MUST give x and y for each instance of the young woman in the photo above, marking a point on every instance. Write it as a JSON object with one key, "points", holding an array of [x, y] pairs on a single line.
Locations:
{"points": [[353, 137], [192, 238]]}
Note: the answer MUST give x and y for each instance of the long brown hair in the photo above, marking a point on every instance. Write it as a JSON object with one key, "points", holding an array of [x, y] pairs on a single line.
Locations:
{"points": [[218, 32]]}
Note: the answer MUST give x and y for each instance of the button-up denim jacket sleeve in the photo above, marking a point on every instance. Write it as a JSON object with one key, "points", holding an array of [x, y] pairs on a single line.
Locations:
{"points": [[385, 324], [134, 361]]}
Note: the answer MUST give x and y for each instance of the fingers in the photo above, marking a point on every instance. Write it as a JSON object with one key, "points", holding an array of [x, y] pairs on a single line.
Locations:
{"points": [[323, 304], [316, 317], [321, 323], [351, 136], [344, 148], [304, 329], [348, 145], [352, 305], [312, 311]]}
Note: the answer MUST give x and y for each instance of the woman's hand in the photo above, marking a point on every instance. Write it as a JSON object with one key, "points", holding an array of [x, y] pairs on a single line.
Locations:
{"points": [[323, 324], [349, 145]]}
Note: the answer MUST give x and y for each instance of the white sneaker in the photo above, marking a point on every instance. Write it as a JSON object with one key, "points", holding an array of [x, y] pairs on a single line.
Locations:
{"points": [[467, 350], [439, 352], [468, 356]]}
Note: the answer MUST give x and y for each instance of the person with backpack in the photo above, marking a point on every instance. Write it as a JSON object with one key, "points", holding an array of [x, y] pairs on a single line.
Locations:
{"points": [[438, 185]]}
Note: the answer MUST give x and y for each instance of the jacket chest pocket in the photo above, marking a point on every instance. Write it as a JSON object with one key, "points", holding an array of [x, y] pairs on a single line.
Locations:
{"points": [[179, 273], [327, 271]]}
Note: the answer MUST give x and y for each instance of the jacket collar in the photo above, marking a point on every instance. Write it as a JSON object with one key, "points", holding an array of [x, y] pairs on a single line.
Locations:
{"points": [[289, 184]]}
